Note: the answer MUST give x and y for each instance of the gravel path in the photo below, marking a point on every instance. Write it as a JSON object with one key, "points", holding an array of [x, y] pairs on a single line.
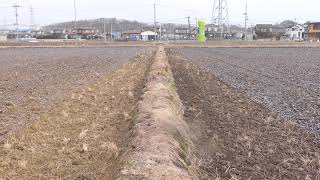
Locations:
{"points": [[286, 80], [32, 80]]}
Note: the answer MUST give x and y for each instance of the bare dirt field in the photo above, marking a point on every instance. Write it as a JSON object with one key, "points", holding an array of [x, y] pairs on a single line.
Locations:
{"points": [[170, 43], [236, 138], [32, 80], [242, 44], [73, 43], [159, 113], [285, 80], [84, 136]]}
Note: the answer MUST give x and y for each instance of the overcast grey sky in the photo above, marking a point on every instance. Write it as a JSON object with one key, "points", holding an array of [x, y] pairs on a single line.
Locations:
{"points": [[175, 11]]}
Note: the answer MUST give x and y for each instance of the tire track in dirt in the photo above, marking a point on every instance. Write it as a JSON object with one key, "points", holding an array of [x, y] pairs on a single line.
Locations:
{"points": [[236, 138], [83, 138]]}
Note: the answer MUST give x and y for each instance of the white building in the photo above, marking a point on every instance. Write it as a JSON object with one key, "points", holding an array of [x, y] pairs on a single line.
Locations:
{"points": [[3, 38], [148, 36], [3, 34], [297, 32]]}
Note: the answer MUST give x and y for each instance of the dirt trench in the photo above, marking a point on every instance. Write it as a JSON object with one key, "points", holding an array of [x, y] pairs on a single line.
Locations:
{"points": [[236, 138], [161, 147], [83, 138]]}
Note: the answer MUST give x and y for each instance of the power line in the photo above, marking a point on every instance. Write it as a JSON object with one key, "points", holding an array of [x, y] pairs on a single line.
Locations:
{"points": [[178, 7]]}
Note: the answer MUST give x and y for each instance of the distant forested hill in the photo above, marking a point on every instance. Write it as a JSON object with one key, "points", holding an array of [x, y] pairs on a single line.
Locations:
{"points": [[119, 25]]}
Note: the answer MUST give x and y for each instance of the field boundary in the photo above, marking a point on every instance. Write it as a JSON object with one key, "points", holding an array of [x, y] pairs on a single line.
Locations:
{"points": [[79, 46], [171, 44], [161, 146]]}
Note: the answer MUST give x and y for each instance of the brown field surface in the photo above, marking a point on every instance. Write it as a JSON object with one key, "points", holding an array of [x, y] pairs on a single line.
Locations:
{"points": [[173, 110]]}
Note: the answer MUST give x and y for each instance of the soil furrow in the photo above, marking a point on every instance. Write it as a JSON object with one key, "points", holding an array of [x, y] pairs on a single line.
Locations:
{"points": [[161, 147], [33, 81], [236, 138], [285, 80], [84, 137]]}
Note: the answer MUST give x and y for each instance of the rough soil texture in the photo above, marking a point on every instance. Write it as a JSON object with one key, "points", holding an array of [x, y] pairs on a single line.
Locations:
{"points": [[85, 136], [286, 80], [175, 44], [34, 80], [90, 113], [72, 43], [236, 138], [161, 144], [242, 44]]}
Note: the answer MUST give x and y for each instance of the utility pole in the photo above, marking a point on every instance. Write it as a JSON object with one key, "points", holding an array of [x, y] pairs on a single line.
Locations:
{"points": [[104, 30], [75, 18], [189, 27], [197, 27], [160, 32], [155, 20], [220, 18], [245, 21], [16, 6], [32, 25], [111, 30]]}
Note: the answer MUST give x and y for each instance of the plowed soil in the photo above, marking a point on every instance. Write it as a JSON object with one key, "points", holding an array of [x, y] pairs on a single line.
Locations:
{"points": [[286, 80], [235, 137], [83, 137], [34, 80], [78, 109]]}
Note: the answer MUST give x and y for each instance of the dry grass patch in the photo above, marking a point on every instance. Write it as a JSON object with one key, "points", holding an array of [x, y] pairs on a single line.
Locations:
{"points": [[84, 137]]}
